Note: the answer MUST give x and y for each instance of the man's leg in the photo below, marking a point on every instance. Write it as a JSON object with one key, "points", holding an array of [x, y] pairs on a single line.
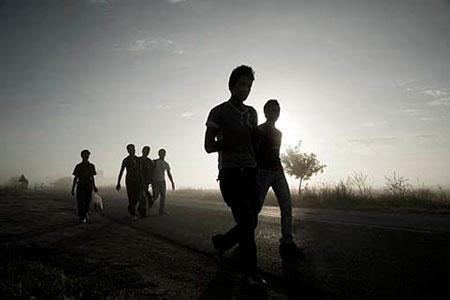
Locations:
{"points": [[156, 193], [236, 194], [264, 182], [84, 197], [132, 192], [252, 197], [257, 192], [281, 189], [148, 194], [80, 204], [228, 189], [88, 200], [143, 200], [162, 200]]}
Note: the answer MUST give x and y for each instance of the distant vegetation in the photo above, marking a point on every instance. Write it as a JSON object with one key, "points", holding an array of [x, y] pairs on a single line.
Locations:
{"points": [[355, 192], [301, 165], [15, 184]]}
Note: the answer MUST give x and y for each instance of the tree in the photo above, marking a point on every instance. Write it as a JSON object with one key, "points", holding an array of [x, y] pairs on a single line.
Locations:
{"points": [[362, 182], [301, 165], [23, 182], [398, 185]]}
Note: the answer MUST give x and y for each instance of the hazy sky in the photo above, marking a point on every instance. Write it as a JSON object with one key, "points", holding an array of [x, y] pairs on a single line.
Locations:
{"points": [[364, 84]]}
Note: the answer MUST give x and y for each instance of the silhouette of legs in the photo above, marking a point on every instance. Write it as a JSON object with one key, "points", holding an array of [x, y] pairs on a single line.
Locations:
{"points": [[277, 180], [144, 201], [133, 191], [159, 190], [281, 190], [84, 197], [240, 192]]}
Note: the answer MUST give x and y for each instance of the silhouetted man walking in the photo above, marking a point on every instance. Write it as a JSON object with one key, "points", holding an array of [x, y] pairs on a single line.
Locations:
{"points": [[271, 174], [230, 130], [147, 170], [159, 181], [132, 180], [84, 173]]}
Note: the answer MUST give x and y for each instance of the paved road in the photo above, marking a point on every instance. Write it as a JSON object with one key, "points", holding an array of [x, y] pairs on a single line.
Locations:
{"points": [[348, 253]]}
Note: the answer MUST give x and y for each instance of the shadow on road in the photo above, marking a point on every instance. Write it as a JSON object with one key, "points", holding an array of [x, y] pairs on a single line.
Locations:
{"points": [[225, 286]]}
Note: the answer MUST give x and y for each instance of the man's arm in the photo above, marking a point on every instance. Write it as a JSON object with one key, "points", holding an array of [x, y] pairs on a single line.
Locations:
{"points": [[93, 184], [120, 176], [171, 179], [75, 181], [93, 179], [211, 144]]}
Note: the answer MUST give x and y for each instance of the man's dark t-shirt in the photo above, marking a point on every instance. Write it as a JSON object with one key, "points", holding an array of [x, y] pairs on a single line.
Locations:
{"points": [[235, 127], [148, 168], [131, 164], [268, 148], [85, 171]]}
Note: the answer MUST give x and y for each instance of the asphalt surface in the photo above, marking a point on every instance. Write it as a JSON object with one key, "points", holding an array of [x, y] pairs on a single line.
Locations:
{"points": [[348, 254]]}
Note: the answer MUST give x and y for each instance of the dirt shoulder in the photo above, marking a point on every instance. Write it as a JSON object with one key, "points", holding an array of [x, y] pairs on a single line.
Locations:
{"points": [[47, 254]]}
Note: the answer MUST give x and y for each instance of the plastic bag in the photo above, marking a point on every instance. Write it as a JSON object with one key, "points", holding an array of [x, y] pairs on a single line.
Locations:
{"points": [[98, 202]]}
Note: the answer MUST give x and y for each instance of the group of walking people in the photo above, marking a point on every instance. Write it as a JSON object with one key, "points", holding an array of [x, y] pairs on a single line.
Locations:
{"points": [[249, 164], [141, 172]]}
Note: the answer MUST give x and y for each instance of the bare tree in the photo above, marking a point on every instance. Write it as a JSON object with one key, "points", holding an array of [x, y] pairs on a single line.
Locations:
{"points": [[361, 182], [23, 182], [301, 165], [398, 185]]}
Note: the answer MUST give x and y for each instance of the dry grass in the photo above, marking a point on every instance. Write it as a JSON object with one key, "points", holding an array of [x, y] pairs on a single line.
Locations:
{"points": [[356, 192]]}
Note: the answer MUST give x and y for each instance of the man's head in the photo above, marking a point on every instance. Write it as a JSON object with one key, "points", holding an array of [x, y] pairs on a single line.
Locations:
{"points": [[145, 151], [131, 149], [240, 82], [162, 153], [272, 110], [85, 154]]}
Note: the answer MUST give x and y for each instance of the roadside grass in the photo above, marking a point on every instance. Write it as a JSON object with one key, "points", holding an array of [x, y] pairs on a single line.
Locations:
{"points": [[353, 193], [33, 272], [343, 196]]}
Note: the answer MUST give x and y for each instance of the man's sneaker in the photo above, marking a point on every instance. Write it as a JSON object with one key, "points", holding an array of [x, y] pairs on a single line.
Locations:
{"points": [[254, 281], [163, 213], [83, 221], [290, 250], [134, 218], [219, 251]]}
